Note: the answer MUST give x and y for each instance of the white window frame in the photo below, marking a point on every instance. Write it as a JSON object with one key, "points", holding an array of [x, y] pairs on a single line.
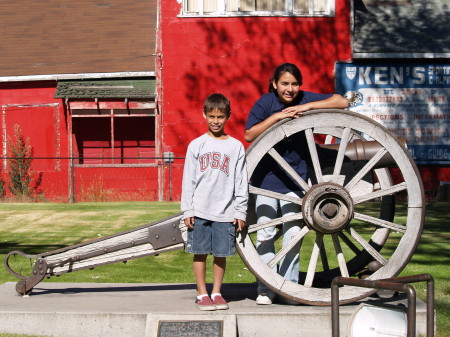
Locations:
{"points": [[222, 10]]}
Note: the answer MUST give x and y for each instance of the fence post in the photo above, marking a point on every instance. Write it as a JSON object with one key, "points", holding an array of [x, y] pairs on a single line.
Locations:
{"points": [[169, 158], [72, 193]]}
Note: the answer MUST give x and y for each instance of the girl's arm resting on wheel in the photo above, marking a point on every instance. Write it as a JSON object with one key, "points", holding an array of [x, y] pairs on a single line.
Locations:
{"points": [[334, 102], [253, 133]]}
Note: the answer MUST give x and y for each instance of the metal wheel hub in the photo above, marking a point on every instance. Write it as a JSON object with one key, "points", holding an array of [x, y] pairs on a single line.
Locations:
{"points": [[327, 208]]}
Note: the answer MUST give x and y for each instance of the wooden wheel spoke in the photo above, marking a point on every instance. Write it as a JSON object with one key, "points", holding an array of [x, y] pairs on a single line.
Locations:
{"points": [[278, 221], [324, 257], [289, 170], [313, 153], [380, 222], [282, 253], [341, 154], [340, 256], [367, 247], [275, 195], [313, 261], [381, 193], [370, 164], [349, 243]]}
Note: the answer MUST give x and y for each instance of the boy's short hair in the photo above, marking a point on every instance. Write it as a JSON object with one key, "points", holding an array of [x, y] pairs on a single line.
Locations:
{"points": [[219, 102]]}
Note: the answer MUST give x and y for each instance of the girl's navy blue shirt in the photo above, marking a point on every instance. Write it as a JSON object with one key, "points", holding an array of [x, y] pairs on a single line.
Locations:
{"points": [[268, 174]]}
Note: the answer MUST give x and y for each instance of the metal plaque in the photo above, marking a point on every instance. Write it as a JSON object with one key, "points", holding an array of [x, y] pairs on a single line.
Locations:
{"points": [[190, 329]]}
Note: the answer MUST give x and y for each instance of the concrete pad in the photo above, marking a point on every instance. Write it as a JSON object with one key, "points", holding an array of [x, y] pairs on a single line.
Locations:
{"points": [[129, 310]]}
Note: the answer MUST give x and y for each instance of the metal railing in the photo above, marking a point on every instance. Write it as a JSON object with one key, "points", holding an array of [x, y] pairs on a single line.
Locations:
{"points": [[396, 284]]}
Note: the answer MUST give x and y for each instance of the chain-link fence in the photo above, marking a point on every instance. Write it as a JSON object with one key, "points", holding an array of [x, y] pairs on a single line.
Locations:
{"points": [[75, 179]]}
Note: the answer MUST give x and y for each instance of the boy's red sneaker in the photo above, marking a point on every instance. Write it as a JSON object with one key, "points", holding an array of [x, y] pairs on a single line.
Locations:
{"points": [[205, 304], [219, 302]]}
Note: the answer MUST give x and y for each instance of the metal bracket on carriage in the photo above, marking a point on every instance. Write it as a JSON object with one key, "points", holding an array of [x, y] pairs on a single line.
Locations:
{"points": [[26, 284], [161, 236]]}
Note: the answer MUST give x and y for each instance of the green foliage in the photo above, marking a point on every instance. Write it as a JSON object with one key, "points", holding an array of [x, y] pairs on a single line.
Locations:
{"points": [[25, 183], [2, 185]]}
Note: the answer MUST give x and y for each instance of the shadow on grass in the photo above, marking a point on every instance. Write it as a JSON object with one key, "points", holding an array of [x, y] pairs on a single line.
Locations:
{"points": [[6, 247]]}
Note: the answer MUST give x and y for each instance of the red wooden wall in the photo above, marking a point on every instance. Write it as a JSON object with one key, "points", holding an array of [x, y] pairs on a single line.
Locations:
{"points": [[41, 119], [197, 57], [236, 56]]}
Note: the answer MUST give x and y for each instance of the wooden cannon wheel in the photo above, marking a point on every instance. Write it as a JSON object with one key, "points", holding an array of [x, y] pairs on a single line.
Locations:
{"points": [[348, 239]]}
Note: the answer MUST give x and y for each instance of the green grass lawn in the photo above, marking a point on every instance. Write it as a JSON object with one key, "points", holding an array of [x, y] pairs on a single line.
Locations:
{"points": [[41, 227]]}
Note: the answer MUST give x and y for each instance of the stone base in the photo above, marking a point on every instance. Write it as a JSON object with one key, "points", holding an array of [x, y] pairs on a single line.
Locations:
{"points": [[139, 310]]}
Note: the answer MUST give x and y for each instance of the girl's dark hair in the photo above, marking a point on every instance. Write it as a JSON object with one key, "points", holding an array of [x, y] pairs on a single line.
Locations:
{"points": [[281, 69], [219, 102]]}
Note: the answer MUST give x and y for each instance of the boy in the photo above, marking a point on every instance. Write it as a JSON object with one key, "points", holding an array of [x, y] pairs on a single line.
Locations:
{"points": [[214, 199]]}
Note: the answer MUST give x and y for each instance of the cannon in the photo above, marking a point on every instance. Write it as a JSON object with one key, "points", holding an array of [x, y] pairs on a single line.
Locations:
{"points": [[348, 214]]}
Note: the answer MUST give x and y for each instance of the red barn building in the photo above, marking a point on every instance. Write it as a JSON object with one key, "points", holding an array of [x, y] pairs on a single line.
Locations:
{"points": [[110, 92]]}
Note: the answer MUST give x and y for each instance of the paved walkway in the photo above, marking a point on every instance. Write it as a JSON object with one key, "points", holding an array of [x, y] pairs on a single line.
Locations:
{"points": [[128, 310]]}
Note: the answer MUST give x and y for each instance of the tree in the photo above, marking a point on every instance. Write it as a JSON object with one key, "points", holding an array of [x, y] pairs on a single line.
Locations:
{"points": [[25, 183]]}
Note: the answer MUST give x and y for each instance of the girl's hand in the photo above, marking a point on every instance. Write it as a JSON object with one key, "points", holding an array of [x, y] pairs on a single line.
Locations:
{"points": [[257, 129], [189, 222], [288, 114], [295, 111], [240, 224]]}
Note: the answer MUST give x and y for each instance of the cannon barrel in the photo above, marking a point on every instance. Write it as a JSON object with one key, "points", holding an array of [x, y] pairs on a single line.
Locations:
{"points": [[365, 150]]}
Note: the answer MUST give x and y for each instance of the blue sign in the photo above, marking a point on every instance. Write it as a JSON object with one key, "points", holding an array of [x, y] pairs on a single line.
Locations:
{"points": [[410, 100]]}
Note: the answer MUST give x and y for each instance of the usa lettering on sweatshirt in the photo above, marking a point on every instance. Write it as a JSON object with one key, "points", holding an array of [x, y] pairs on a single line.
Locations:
{"points": [[215, 182]]}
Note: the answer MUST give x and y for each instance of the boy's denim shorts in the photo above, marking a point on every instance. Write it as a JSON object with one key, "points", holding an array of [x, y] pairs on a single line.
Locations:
{"points": [[211, 237]]}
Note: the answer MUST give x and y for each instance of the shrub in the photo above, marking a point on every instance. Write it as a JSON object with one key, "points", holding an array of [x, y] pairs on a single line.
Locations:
{"points": [[2, 184], [24, 182]]}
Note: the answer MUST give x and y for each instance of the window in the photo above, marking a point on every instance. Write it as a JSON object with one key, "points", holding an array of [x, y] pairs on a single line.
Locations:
{"points": [[113, 122], [258, 7], [113, 140]]}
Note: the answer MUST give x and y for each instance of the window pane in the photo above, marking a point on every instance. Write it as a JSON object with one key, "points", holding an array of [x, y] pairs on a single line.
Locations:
{"points": [[301, 6], [210, 6], [270, 5], [248, 5], [278, 5], [193, 5], [319, 5], [304, 7], [232, 5]]}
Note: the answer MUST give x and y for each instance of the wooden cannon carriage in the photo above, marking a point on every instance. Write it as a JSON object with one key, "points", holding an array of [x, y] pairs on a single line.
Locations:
{"points": [[347, 213]]}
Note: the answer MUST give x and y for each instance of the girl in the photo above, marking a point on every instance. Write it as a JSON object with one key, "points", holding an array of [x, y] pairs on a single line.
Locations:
{"points": [[284, 100]]}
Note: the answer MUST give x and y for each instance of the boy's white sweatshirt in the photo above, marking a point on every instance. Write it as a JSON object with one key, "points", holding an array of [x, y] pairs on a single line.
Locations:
{"points": [[215, 184]]}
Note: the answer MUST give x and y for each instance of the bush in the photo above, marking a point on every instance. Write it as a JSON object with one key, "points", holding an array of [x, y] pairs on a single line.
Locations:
{"points": [[24, 182], [2, 185]]}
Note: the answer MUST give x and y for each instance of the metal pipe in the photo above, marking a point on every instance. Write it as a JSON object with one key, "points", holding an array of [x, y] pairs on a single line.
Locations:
{"points": [[396, 284], [430, 305], [430, 295], [334, 308]]}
